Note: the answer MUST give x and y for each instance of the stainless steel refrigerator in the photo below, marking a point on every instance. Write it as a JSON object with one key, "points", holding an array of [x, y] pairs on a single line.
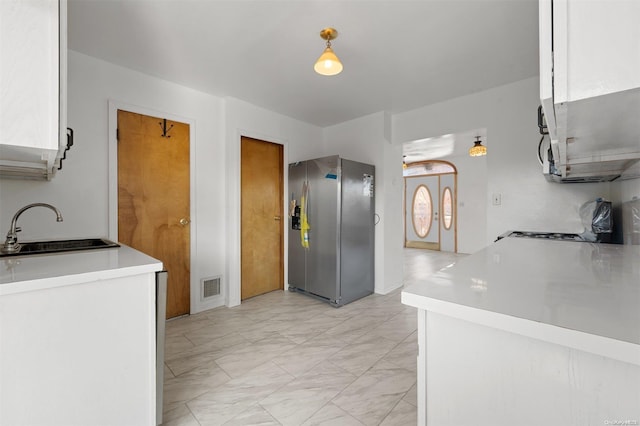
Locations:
{"points": [[331, 229]]}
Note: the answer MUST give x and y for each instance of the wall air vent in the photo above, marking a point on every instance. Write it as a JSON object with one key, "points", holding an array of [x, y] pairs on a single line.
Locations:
{"points": [[210, 287]]}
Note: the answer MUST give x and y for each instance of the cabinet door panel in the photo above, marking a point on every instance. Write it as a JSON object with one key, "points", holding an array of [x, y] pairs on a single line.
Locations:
{"points": [[29, 79], [32, 82]]}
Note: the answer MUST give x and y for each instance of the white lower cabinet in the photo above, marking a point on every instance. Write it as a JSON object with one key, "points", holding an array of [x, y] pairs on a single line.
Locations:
{"points": [[471, 374], [79, 354]]}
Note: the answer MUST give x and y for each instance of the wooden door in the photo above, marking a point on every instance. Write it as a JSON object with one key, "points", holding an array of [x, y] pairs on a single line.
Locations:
{"points": [[261, 217], [153, 198]]}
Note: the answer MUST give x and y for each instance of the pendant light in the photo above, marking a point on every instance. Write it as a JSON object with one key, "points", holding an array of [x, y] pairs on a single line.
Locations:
{"points": [[328, 63], [477, 150]]}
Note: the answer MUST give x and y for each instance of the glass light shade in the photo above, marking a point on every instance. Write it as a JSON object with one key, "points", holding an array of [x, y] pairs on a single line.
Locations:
{"points": [[478, 150], [328, 63]]}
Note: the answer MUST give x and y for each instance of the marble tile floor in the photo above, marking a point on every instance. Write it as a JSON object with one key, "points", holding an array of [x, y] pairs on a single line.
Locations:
{"points": [[283, 358]]}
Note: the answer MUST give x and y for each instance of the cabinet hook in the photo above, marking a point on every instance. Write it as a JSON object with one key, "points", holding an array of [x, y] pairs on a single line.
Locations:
{"points": [[163, 126]]}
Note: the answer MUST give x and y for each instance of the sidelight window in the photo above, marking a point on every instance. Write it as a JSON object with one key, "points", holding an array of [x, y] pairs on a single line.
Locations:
{"points": [[447, 208]]}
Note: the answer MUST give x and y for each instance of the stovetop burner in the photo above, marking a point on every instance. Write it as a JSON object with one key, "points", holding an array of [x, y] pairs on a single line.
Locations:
{"points": [[561, 236]]}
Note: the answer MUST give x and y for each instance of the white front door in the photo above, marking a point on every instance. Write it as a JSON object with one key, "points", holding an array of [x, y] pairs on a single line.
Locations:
{"points": [[422, 207], [430, 216]]}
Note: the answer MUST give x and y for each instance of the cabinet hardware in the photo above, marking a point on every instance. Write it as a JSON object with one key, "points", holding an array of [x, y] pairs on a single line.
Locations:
{"points": [[66, 148]]}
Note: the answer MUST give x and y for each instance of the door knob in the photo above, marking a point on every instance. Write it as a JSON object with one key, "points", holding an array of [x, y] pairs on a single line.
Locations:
{"points": [[184, 221], [276, 218]]}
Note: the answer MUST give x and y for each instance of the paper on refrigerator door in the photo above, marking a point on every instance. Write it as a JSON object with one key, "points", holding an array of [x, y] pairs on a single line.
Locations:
{"points": [[367, 185]]}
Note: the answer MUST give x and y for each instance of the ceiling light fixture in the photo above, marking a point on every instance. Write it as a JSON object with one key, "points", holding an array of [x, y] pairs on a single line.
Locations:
{"points": [[328, 63], [477, 150]]}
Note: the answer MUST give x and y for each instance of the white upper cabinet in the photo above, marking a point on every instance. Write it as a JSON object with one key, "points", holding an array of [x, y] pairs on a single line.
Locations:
{"points": [[596, 47], [33, 132], [590, 84]]}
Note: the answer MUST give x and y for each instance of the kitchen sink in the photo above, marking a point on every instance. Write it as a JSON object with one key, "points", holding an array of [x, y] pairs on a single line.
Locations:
{"points": [[58, 246]]}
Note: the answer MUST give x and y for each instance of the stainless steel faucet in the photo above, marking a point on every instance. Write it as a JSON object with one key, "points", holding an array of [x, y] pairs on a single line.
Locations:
{"points": [[11, 243]]}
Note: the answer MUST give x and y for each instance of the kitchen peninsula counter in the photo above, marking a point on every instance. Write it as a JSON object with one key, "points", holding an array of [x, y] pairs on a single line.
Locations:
{"points": [[78, 338], [546, 332]]}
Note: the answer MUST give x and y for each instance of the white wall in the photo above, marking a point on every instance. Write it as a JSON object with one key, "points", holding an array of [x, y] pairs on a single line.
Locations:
{"points": [[625, 190], [508, 113], [80, 189], [364, 140], [511, 169], [621, 192], [471, 199], [301, 141]]}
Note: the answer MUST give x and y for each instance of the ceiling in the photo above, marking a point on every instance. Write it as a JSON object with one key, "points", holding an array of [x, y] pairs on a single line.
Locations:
{"points": [[397, 55], [451, 145]]}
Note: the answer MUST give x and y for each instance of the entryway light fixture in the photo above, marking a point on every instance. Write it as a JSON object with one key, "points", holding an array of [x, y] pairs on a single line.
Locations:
{"points": [[477, 150], [328, 63]]}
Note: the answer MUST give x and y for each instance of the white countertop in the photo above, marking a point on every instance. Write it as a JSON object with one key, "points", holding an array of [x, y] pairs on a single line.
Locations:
{"points": [[28, 273], [578, 294]]}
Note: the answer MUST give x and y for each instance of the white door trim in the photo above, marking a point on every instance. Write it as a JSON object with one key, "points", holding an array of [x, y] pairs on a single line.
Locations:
{"points": [[114, 106], [234, 226]]}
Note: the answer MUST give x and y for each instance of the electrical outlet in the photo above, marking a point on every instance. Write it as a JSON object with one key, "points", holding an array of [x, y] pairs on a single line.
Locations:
{"points": [[497, 199]]}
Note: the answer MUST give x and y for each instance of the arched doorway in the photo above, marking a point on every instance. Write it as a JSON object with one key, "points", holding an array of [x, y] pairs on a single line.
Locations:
{"points": [[430, 205]]}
